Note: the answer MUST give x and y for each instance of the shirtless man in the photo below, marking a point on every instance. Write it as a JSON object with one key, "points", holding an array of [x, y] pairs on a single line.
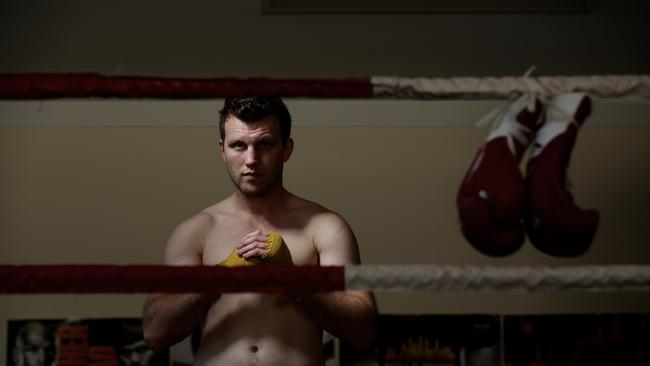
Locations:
{"points": [[250, 328]]}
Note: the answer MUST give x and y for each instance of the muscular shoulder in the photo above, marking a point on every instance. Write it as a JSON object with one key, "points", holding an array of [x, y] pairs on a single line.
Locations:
{"points": [[186, 242], [331, 234], [326, 223], [317, 218]]}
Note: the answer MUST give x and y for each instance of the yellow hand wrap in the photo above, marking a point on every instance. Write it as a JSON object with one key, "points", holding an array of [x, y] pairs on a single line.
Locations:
{"points": [[277, 253]]}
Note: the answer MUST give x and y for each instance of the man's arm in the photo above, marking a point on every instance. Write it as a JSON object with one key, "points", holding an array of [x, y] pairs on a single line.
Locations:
{"points": [[169, 318], [350, 315]]}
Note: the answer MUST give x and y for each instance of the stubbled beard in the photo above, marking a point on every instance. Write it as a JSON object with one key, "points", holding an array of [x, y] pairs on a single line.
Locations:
{"points": [[259, 191]]}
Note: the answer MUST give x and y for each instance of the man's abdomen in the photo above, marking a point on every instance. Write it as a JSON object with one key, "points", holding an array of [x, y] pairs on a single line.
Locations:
{"points": [[255, 329]]}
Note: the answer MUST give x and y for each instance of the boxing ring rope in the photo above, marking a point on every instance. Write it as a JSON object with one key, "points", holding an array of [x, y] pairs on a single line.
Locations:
{"points": [[35, 279], [25, 86]]}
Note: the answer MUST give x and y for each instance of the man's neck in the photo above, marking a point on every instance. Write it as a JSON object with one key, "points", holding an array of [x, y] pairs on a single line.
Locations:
{"points": [[262, 205]]}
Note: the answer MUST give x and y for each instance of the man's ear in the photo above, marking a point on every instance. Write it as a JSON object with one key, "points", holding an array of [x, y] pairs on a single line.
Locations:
{"points": [[288, 149], [221, 150]]}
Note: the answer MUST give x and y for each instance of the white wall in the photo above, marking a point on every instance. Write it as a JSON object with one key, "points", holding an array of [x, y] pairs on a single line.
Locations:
{"points": [[111, 192]]}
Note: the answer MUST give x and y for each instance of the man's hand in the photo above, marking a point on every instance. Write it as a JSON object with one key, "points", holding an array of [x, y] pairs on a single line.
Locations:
{"points": [[254, 244], [257, 248]]}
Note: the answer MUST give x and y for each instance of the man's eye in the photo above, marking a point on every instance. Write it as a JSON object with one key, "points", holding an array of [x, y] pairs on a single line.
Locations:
{"points": [[265, 144], [238, 145]]}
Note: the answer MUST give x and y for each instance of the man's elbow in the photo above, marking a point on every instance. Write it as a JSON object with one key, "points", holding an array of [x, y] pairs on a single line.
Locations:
{"points": [[155, 340]]}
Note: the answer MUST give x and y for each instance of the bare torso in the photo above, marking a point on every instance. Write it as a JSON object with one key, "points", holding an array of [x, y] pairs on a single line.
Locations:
{"points": [[260, 329]]}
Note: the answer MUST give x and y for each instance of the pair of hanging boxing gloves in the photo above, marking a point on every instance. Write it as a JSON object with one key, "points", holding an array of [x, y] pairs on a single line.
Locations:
{"points": [[497, 206]]}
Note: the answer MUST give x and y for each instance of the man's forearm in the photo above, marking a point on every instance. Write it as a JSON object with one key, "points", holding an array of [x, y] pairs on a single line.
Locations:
{"points": [[351, 316], [169, 318]]}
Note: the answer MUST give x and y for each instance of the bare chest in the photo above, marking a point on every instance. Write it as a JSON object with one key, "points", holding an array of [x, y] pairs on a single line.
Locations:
{"points": [[225, 236]]}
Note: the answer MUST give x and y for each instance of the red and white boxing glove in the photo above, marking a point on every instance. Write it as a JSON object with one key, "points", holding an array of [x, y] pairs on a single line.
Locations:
{"points": [[490, 201], [555, 225]]}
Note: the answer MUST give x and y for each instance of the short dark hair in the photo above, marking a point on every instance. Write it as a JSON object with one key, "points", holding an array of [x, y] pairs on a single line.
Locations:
{"points": [[253, 109]]}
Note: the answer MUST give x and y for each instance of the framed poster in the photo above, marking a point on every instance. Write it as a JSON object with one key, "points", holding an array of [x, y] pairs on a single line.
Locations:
{"points": [[441, 340], [584, 339], [49, 342]]}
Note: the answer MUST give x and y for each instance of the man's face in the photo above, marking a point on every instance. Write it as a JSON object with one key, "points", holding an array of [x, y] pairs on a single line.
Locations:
{"points": [[136, 354], [34, 349], [254, 154]]}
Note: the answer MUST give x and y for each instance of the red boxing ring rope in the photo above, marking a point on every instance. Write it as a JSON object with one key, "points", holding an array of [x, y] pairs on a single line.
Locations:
{"points": [[33, 279], [77, 85], [44, 279]]}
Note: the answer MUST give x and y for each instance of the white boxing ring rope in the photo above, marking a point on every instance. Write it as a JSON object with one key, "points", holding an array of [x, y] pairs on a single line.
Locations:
{"points": [[32, 279], [447, 278]]}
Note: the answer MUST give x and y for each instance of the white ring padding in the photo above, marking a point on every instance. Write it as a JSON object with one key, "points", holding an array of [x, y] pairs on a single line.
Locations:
{"points": [[603, 86], [447, 278]]}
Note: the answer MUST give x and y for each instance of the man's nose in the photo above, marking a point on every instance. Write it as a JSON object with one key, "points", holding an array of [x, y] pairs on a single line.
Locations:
{"points": [[251, 156]]}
